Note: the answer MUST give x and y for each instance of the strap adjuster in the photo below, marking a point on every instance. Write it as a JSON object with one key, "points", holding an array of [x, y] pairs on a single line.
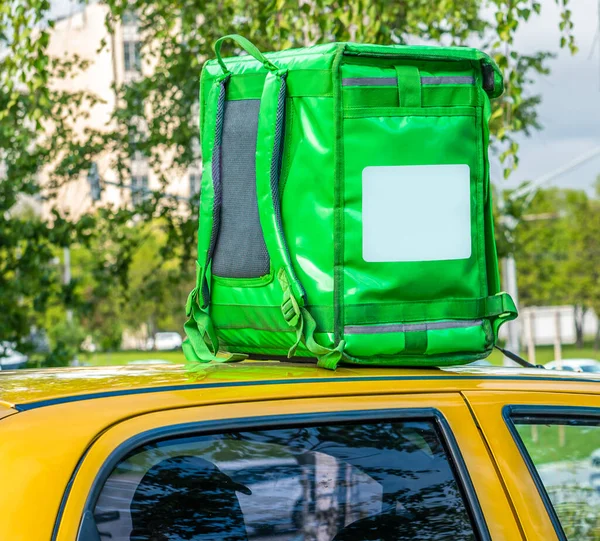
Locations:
{"points": [[189, 304], [289, 305]]}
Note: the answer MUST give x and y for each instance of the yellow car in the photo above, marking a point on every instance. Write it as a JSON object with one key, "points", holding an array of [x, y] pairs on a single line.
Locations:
{"points": [[285, 452]]}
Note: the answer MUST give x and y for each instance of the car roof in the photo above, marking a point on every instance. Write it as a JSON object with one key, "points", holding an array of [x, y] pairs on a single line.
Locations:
{"points": [[29, 389]]}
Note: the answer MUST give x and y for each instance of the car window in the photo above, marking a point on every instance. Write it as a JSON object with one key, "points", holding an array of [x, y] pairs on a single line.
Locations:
{"points": [[590, 368], [377, 481], [565, 452]]}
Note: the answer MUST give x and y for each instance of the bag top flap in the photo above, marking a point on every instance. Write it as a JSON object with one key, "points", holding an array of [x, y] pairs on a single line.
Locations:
{"points": [[321, 57]]}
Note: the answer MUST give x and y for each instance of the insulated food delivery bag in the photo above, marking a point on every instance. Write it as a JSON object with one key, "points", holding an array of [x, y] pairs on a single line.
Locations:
{"points": [[345, 207]]}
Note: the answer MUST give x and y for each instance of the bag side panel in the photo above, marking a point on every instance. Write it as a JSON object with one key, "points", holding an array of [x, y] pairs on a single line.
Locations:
{"points": [[417, 166]]}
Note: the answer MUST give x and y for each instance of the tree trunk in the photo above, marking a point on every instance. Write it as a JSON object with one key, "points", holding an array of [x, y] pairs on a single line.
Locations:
{"points": [[597, 337], [579, 312]]}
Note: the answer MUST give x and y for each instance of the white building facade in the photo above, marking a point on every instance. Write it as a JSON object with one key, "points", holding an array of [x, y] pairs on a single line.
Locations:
{"points": [[117, 63]]}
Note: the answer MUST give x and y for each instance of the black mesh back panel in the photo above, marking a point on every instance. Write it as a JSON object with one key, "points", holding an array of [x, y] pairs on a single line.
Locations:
{"points": [[240, 251]]}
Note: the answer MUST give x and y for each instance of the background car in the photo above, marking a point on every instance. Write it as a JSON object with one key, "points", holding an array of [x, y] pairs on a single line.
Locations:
{"points": [[165, 341], [576, 365], [9, 358]]}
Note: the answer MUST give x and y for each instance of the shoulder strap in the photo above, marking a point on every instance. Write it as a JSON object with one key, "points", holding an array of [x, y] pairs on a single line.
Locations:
{"points": [[202, 343], [268, 157]]}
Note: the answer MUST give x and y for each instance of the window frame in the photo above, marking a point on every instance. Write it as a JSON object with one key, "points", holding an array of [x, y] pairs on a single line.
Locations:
{"points": [[430, 414], [513, 411]]}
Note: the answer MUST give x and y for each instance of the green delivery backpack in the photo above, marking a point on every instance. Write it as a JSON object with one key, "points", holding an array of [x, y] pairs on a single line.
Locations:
{"points": [[345, 208]]}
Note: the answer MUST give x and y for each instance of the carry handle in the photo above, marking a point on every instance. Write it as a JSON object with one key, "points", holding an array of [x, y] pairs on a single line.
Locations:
{"points": [[409, 86], [248, 46]]}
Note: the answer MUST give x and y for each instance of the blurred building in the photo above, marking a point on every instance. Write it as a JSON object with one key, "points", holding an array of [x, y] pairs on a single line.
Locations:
{"points": [[119, 62], [540, 324], [543, 323]]}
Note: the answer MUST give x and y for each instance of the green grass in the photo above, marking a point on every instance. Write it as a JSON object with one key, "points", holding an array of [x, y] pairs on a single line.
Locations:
{"points": [[544, 354], [124, 357]]}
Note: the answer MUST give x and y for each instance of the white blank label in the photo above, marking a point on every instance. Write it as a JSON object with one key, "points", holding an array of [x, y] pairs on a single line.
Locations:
{"points": [[416, 213]]}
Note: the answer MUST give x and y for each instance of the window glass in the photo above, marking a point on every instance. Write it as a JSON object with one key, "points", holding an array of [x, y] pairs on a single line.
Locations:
{"points": [[129, 18], [127, 55], [195, 180], [132, 55], [566, 455], [139, 189], [381, 481]]}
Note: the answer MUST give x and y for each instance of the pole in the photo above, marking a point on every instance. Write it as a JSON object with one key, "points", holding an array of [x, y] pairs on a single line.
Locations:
{"points": [[67, 276], [559, 365], [557, 341], [510, 284], [531, 358], [530, 337]]}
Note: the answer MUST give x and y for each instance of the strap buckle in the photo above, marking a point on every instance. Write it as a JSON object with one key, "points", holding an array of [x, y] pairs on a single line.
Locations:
{"points": [[289, 306], [189, 304]]}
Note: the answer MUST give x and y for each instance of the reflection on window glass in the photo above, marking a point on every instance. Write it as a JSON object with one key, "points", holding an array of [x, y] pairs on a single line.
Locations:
{"points": [[383, 481], [566, 455]]}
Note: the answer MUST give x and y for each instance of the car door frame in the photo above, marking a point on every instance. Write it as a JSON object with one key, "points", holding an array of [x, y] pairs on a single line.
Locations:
{"points": [[509, 412], [447, 410], [492, 411]]}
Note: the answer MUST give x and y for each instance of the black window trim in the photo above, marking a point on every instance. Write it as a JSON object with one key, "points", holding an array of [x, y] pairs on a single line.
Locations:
{"points": [[511, 412], [455, 459]]}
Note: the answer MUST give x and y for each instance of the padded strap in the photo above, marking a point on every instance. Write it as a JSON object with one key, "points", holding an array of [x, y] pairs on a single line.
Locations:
{"points": [[248, 46], [210, 198], [303, 323], [409, 86], [268, 152], [202, 343]]}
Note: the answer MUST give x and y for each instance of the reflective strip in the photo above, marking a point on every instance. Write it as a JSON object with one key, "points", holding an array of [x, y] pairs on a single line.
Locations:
{"points": [[459, 80], [370, 81], [392, 81], [412, 327]]}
